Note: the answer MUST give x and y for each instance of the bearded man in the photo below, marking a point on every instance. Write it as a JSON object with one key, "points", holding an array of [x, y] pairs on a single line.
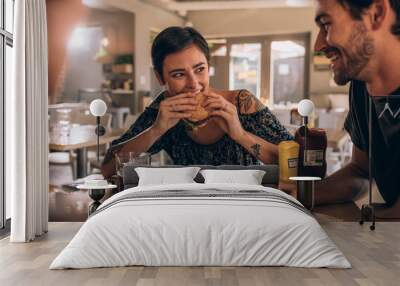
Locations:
{"points": [[362, 40]]}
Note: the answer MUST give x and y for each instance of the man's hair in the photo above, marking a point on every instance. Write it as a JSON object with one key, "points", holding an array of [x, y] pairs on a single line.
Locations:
{"points": [[175, 39], [357, 8]]}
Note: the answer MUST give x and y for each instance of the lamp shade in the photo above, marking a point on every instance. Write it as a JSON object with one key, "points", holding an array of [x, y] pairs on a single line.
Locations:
{"points": [[98, 107], [305, 107]]}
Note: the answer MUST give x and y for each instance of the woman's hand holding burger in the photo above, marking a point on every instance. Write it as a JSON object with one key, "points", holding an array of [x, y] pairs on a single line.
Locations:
{"points": [[195, 109], [225, 114], [173, 109]]}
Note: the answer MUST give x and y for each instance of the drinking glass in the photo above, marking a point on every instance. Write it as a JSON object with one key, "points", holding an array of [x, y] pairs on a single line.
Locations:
{"points": [[120, 160], [131, 158], [141, 159]]}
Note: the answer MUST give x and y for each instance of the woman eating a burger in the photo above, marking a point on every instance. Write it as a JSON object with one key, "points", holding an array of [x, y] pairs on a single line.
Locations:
{"points": [[194, 123]]}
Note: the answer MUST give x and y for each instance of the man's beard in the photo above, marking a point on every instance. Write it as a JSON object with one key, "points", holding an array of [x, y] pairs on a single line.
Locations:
{"points": [[358, 52]]}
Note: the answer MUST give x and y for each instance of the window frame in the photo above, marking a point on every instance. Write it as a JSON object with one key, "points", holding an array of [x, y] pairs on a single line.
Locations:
{"points": [[6, 39]]}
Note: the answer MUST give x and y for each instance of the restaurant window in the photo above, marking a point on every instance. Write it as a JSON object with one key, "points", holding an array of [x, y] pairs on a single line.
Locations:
{"points": [[6, 45], [245, 67], [273, 67], [287, 71]]}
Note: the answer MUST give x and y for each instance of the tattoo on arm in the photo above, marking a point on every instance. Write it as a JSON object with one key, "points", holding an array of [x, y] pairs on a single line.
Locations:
{"points": [[248, 103], [256, 150]]}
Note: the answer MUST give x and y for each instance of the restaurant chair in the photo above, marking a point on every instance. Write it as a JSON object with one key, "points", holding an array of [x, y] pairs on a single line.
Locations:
{"points": [[62, 168], [119, 114], [62, 165], [334, 120]]}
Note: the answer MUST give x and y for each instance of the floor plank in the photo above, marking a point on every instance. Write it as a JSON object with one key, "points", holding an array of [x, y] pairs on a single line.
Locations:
{"points": [[375, 257]]}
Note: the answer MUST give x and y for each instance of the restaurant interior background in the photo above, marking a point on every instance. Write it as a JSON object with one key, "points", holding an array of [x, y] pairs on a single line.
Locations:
{"points": [[101, 49]]}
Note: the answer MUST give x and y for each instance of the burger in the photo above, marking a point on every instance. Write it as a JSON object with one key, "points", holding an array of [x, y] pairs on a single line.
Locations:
{"points": [[200, 116]]}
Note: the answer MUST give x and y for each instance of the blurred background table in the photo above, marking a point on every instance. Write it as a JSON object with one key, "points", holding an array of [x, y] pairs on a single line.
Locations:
{"points": [[81, 143]]}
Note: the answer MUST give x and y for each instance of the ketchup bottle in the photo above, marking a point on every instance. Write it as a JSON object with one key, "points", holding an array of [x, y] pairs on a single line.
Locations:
{"points": [[313, 143]]}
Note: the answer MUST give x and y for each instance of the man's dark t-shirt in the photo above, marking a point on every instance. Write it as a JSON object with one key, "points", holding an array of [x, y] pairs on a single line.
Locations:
{"points": [[385, 135]]}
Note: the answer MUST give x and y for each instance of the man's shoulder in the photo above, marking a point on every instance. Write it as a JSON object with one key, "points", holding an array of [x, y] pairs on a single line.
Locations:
{"points": [[356, 123], [357, 86]]}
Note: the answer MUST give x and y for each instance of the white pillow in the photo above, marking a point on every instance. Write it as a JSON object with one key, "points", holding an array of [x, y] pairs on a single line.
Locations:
{"points": [[248, 177], [166, 176]]}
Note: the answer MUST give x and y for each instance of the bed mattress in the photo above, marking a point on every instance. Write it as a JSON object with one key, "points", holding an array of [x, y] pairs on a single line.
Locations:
{"points": [[201, 225]]}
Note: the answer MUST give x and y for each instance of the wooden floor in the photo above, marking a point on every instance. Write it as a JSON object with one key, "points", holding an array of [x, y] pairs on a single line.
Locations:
{"points": [[375, 257]]}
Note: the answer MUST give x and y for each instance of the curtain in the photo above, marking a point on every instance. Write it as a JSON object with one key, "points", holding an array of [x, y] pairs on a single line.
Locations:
{"points": [[27, 124]]}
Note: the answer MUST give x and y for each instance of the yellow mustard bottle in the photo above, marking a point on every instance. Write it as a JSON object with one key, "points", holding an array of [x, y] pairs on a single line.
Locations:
{"points": [[288, 160]]}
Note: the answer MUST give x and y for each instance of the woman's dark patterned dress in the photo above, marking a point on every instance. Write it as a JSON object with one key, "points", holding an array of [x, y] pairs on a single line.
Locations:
{"points": [[184, 151]]}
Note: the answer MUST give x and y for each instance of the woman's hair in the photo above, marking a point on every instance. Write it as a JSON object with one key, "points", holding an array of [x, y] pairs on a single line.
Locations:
{"points": [[357, 8], [175, 39]]}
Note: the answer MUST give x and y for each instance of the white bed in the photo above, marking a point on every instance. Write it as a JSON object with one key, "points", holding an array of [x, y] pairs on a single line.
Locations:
{"points": [[201, 224]]}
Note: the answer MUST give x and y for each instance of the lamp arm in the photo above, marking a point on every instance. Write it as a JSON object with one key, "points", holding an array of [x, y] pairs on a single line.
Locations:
{"points": [[98, 138], [305, 124], [100, 131]]}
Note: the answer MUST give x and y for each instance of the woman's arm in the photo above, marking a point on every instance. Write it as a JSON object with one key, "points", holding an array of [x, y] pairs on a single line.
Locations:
{"points": [[228, 119], [137, 140], [263, 150], [138, 144]]}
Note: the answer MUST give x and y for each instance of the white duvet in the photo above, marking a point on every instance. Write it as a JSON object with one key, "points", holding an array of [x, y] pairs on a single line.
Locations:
{"points": [[207, 230]]}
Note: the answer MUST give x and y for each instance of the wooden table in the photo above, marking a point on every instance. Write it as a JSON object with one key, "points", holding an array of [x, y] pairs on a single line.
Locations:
{"points": [[81, 145], [69, 105]]}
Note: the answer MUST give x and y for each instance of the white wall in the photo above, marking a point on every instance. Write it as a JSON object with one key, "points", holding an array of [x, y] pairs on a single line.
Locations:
{"points": [[265, 22], [81, 70]]}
